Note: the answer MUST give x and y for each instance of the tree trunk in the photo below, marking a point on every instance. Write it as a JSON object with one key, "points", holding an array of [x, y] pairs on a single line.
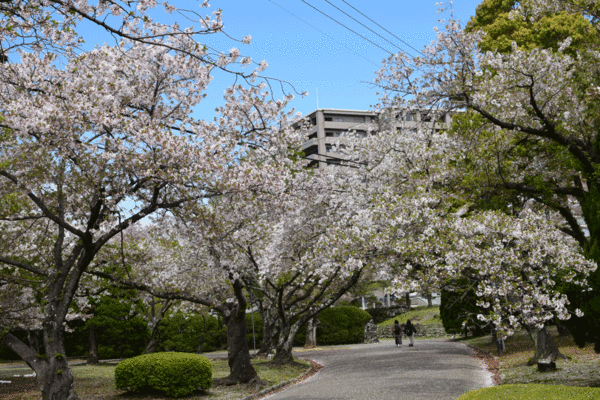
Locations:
{"points": [[53, 373], [269, 335], [201, 341], [33, 339], [93, 346], [285, 344], [238, 353], [563, 330], [429, 300], [152, 345], [407, 297], [545, 348], [311, 332]]}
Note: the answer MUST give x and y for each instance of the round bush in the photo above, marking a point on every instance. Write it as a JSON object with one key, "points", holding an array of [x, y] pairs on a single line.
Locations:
{"points": [[342, 325], [174, 374]]}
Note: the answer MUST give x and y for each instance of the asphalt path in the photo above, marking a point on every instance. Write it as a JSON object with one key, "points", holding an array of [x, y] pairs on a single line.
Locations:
{"points": [[431, 370]]}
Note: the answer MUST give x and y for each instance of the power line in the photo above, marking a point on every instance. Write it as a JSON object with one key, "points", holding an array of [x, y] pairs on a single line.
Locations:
{"points": [[345, 2], [320, 31], [350, 16], [356, 33]]}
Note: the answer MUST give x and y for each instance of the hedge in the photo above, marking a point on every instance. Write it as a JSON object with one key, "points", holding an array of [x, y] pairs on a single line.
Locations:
{"points": [[174, 374], [342, 325]]}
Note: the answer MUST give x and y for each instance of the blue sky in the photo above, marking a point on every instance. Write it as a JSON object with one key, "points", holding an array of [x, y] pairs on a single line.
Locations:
{"points": [[329, 59], [338, 65]]}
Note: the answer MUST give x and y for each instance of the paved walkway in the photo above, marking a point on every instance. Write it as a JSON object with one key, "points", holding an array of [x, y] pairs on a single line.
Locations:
{"points": [[431, 370]]}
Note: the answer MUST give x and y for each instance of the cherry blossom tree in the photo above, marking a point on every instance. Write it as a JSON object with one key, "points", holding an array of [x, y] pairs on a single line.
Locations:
{"points": [[95, 141], [529, 131], [427, 234]]}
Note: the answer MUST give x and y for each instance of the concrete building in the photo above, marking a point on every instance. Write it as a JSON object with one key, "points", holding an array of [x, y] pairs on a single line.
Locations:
{"points": [[328, 124]]}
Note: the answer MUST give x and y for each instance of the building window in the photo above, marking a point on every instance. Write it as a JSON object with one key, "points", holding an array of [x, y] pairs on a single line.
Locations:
{"points": [[309, 151], [330, 148], [333, 133], [411, 117], [312, 135]]}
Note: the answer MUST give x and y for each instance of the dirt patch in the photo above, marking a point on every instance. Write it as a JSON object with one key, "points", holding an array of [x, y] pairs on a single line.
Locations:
{"points": [[18, 385], [492, 363]]}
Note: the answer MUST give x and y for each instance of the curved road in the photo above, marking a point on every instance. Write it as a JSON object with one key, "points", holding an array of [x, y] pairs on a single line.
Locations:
{"points": [[431, 370]]}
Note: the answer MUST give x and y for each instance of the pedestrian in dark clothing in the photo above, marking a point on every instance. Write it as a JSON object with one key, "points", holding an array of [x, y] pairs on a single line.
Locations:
{"points": [[397, 331], [410, 330]]}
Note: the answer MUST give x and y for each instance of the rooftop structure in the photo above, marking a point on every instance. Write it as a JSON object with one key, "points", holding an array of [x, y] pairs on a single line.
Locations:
{"points": [[328, 124]]}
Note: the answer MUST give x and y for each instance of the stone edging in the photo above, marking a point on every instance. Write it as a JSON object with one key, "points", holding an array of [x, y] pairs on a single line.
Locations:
{"points": [[314, 368]]}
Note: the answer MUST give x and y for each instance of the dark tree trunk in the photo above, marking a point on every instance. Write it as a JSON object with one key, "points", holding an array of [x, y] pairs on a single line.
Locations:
{"points": [[407, 297], [93, 346], [53, 373], [429, 300], [311, 332], [238, 353], [154, 322], [285, 344], [152, 345], [269, 332], [563, 330], [545, 348], [201, 340], [33, 339]]}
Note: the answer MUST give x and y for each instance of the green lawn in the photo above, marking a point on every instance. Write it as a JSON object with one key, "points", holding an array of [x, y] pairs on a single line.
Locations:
{"points": [[98, 383], [418, 315], [532, 391], [577, 377]]}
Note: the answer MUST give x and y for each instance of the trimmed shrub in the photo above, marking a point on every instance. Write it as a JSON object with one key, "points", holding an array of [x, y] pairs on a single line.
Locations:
{"points": [[174, 374], [342, 325]]}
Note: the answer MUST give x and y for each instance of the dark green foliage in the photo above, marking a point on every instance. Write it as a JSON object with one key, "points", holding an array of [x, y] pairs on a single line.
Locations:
{"points": [[174, 374], [8, 354], [586, 329], [342, 325], [380, 314], [183, 331], [120, 330], [460, 306]]}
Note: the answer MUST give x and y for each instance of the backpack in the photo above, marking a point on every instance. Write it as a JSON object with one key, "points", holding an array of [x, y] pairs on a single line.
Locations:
{"points": [[396, 329], [408, 330]]}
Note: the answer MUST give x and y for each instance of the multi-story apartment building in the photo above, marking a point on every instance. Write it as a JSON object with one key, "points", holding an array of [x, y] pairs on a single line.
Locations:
{"points": [[327, 125]]}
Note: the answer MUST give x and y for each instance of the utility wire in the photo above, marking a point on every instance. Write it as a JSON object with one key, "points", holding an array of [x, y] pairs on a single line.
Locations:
{"points": [[345, 2], [356, 33], [317, 29], [350, 16]]}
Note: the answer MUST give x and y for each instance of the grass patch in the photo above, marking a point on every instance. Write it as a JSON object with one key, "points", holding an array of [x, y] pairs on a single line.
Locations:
{"points": [[581, 370], [532, 391], [98, 383], [418, 315]]}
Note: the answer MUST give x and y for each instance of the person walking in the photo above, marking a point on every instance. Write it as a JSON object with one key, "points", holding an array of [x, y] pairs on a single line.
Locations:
{"points": [[410, 330], [397, 331]]}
